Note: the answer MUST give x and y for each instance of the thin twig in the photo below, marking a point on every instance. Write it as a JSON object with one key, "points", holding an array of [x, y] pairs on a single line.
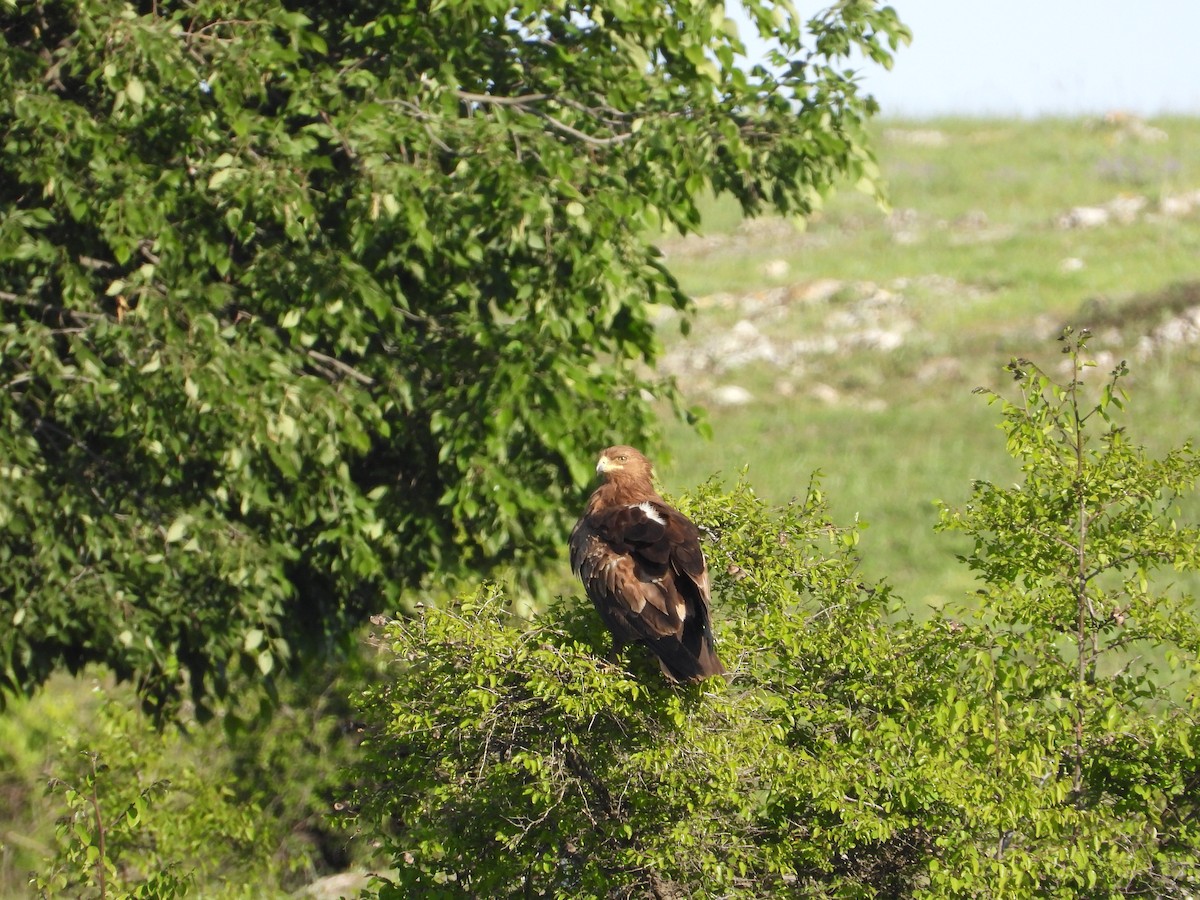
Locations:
{"points": [[101, 874], [584, 136]]}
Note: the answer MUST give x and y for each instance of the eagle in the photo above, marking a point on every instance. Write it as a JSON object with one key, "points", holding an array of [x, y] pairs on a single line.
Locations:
{"points": [[641, 564]]}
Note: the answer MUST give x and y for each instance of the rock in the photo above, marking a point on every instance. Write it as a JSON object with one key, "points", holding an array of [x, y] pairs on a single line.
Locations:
{"points": [[1125, 209], [940, 368], [1084, 217], [826, 393], [822, 343], [731, 395], [820, 291], [776, 268], [1126, 126], [1181, 329], [972, 220], [333, 887], [745, 331], [1179, 205], [880, 339]]}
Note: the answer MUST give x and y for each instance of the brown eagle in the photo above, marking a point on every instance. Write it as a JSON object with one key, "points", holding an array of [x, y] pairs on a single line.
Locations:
{"points": [[641, 564]]}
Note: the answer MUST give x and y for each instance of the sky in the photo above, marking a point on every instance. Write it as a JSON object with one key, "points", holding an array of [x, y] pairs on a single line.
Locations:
{"points": [[1034, 58]]}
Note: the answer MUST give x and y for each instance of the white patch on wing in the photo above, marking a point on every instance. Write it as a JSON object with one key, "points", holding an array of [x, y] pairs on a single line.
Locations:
{"points": [[651, 513], [681, 610]]}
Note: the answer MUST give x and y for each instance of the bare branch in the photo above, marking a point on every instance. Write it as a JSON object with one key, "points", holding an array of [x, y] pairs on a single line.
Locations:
{"points": [[96, 265], [342, 367], [495, 100], [584, 136]]}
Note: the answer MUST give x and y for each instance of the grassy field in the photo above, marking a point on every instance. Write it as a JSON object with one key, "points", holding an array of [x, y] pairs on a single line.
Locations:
{"points": [[851, 345]]}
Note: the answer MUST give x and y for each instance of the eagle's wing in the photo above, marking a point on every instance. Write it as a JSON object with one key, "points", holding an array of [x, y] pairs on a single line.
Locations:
{"points": [[643, 568]]}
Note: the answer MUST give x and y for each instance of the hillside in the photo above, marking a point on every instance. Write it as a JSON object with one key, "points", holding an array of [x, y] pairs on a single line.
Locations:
{"points": [[851, 345]]}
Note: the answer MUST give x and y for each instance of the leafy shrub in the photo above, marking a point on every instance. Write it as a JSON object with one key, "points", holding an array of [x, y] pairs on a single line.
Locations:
{"points": [[96, 834], [519, 746], [1038, 743], [1083, 673], [241, 806]]}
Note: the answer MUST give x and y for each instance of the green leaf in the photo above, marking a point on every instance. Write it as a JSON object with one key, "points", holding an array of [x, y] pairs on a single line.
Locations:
{"points": [[219, 177], [135, 91], [178, 529], [357, 272]]}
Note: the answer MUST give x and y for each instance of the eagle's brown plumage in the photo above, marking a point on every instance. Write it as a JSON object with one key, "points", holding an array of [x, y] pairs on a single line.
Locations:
{"points": [[641, 564]]}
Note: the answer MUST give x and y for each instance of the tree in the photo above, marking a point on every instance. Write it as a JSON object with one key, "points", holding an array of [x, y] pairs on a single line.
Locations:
{"points": [[302, 303]]}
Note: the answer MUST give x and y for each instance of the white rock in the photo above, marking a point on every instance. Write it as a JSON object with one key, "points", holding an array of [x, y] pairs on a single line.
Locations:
{"points": [[776, 268], [1084, 217], [820, 291], [1126, 209], [731, 395], [826, 393], [745, 330], [1178, 205]]}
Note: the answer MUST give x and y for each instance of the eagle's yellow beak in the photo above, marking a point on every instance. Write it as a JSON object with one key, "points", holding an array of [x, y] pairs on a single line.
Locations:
{"points": [[604, 464]]}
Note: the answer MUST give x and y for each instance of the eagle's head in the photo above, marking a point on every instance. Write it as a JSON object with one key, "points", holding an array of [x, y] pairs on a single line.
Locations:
{"points": [[623, 463]]}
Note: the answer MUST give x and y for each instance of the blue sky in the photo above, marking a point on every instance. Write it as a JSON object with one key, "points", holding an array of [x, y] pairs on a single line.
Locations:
{"points": [[1040, 57]]}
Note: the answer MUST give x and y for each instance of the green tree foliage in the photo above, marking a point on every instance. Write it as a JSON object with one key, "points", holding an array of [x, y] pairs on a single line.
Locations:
{"points": [[1038, 743], [95, 835], [301, 302]]}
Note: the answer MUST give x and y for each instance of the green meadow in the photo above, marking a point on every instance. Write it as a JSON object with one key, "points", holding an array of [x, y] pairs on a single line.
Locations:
{"points": [[849, 345]]}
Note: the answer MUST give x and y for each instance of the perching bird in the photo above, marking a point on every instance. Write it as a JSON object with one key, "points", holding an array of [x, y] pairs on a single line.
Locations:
{"points": [[641, 564]]}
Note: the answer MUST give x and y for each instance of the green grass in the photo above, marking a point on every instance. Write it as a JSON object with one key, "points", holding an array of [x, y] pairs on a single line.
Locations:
{"points": [[976, 270]]}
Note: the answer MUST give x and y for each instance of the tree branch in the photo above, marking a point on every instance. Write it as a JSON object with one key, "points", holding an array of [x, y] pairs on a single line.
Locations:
{"points": [[526, 102], [496, 100], [342, 367]]}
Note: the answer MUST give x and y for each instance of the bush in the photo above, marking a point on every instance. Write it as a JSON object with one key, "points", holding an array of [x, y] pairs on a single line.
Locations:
{"points": [[237, 807], [1082, 676], [518, 745], [1037, 744]]}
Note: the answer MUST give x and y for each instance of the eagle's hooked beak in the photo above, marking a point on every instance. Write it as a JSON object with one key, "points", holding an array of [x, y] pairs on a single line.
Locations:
{"points": [[606, 463]]}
